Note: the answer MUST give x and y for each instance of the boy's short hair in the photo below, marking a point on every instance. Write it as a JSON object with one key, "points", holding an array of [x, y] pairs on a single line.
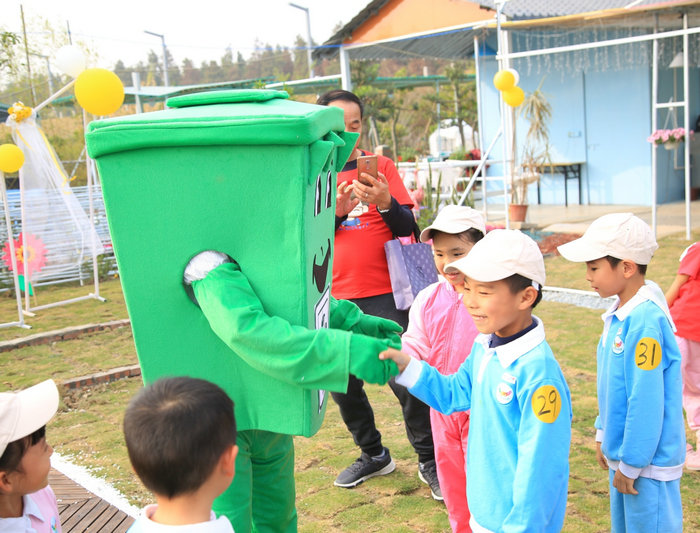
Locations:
{"points": [[341, 94], [619, 235], [517, 283], [456, 219], [501, 254], [176, 430], [614, 261]]}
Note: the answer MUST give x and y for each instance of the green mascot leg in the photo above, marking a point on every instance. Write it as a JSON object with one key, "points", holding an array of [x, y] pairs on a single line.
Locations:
{"points": [[261, 497]]}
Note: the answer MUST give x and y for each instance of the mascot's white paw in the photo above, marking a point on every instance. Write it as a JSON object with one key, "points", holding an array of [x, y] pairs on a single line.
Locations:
{"points": [[199, 266], [203, 263]]}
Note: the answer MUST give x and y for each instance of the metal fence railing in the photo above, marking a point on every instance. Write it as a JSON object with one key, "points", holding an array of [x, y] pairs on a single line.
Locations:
{"points": [[55, 243]]}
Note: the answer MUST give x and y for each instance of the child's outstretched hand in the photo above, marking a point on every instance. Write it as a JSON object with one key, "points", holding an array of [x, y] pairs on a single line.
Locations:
{"points": [[401, 359], [624, 484]]}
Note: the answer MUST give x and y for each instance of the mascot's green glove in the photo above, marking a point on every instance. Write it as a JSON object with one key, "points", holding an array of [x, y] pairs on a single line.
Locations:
{"points": [[347, 316], [365, 362], [380, 328]]}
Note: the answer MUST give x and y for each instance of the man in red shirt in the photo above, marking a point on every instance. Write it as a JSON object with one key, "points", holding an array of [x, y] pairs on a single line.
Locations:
{"points": [[368, 214]]}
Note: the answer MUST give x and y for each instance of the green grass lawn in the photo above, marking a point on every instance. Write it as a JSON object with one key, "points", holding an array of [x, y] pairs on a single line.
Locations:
{"points": [[89, 311], [87, 428]]}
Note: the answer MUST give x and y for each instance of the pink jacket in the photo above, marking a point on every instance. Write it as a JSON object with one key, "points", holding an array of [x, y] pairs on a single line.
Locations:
{"points": [[441, 332], [440, 329]]}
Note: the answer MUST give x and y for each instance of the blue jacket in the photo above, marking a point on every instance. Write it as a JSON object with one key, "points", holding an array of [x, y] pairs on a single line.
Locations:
{"points": [[640, 421], [519, 433]]}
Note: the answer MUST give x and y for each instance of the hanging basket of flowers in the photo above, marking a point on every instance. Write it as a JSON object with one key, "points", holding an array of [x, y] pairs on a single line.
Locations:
{"points": [[670, 139]]}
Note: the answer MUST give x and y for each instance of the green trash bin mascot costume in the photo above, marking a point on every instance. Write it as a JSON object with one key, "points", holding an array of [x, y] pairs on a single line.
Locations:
{"points": [[234, 193]]}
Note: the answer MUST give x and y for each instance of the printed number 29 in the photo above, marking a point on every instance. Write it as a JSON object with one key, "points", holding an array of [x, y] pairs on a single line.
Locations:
{"points": [[647, 353], [546, 403]]}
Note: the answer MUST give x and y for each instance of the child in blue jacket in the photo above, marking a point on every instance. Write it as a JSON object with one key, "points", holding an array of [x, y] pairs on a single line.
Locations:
{"points": [[520, 427], [640, 436]]}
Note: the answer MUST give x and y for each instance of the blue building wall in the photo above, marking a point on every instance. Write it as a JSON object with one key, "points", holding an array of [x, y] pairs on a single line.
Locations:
{"points": [[602, 119], [618, 156]]}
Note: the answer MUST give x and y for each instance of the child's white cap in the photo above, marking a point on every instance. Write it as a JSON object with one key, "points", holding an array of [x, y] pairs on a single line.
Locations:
{"points": [[22, 413], [501, 254], [619, 235], [454, 219]]}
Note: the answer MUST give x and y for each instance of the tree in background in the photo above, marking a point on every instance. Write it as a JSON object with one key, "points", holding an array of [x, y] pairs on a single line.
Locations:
{"points": [[364, 73], [190, 74], [241, 67], [463, 99], [122, 72], [228, 66], [8, 50], [301, 59]]}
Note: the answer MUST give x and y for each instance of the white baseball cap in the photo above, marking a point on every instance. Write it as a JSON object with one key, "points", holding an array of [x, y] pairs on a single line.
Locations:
{"points": [[619, 235], [501, 254], [454, 219], [22, 413]]}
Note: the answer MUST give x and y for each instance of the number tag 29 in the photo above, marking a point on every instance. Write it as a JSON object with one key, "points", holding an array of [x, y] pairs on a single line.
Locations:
{"points": [[546, 403]]}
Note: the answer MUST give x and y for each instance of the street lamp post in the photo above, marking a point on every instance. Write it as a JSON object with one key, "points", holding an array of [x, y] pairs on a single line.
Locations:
{"points": [[165, 56], [308, 35]]}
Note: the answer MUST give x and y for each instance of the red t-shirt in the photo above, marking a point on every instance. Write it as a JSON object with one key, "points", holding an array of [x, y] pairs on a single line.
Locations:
{"points": [[359, 262], [685, 309]]}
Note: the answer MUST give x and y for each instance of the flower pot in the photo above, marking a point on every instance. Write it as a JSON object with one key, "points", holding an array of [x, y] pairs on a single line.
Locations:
{"points": [[517, 212], [671, 145]]}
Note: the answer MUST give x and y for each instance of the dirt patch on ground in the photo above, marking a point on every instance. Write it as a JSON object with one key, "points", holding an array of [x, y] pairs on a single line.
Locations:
{"points": [[548, 242]]}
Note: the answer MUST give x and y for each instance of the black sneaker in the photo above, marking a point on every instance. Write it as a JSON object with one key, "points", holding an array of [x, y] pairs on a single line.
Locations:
{"points": [[427, 472], [364, 468]]}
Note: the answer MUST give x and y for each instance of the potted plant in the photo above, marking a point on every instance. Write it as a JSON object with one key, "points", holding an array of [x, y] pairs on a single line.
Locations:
{"points": [[670, 139], [535, 155]]}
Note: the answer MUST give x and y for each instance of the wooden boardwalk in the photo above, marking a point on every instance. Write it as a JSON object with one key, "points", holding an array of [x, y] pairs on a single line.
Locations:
{"points": [[81, 511]]}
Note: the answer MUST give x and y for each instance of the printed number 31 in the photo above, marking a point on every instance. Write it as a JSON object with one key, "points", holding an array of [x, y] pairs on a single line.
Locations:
{"points": [[647, 353]]}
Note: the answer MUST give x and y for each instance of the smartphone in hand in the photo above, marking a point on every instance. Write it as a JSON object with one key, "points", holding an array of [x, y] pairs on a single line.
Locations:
{"points": [[368, 165]]}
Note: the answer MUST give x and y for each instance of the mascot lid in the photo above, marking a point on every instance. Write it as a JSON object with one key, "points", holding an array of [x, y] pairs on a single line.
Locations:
{"points": [[232, 117]]}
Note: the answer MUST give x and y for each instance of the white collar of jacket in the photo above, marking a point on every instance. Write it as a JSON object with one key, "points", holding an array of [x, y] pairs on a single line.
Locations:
{"points": [[649, 291], [31, 508], [510, 352]]}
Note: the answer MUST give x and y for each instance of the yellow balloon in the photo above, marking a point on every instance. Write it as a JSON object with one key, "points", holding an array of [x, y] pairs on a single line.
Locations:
{"points": [[11, 158], [504, 80], [513, 97], [99, 91]]}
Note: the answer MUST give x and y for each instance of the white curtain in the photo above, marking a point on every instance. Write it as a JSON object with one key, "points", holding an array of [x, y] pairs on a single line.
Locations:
{"points": [[52, 213]]}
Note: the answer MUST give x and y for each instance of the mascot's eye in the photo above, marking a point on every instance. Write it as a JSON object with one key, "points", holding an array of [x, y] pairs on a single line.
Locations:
{"points": [[329, 189], [317, 202]]}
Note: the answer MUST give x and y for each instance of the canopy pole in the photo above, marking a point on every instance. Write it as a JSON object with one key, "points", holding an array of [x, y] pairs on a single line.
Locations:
{"points": [[654, 121], [13, 257], [686, 125], [345, 80]]}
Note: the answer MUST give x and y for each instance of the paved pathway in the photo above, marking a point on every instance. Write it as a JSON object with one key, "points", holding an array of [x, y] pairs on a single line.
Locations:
{"points": [[576, 218]]}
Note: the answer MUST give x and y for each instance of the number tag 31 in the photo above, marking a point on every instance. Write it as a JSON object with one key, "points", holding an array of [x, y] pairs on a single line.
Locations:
{"points": [[546, 403], [647, 353]]}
